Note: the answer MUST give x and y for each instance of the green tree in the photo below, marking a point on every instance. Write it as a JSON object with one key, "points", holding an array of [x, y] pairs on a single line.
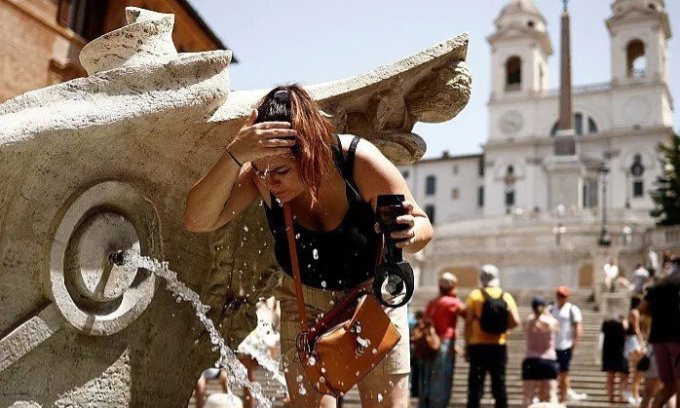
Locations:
{"points": [[666, 195]]}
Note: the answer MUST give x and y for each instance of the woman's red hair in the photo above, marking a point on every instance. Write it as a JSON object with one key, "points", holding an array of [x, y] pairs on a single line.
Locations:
{"points": [[313, 149]]}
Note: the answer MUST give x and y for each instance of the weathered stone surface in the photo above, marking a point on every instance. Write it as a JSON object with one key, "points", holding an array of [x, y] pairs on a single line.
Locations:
{"points": [[105, 162]]}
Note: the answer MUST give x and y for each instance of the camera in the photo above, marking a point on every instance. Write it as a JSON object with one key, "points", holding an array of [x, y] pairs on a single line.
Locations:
{"points": [[393, 285]]}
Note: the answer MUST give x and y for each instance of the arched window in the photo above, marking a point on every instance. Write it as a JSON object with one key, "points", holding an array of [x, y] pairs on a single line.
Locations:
{"points": [[636, 59], [584, 124], [513, 74]]}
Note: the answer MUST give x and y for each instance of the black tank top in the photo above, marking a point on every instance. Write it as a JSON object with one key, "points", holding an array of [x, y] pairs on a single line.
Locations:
{"points": [[338, 259]]}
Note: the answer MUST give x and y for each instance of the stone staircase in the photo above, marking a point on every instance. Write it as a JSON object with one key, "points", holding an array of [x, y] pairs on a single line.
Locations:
{"points": [[586, 375]]}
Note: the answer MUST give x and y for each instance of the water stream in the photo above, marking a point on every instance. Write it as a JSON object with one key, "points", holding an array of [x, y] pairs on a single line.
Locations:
{"points": [[237, 374]]}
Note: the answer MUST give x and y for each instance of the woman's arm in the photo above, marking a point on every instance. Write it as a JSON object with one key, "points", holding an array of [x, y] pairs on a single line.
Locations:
{"points": [[219, 196], [228, 189], [374, 175]]}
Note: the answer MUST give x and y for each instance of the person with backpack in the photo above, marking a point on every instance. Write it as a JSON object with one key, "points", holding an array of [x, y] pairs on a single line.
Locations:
{"points": [[569, 318], [436, 347], [490, 313]]}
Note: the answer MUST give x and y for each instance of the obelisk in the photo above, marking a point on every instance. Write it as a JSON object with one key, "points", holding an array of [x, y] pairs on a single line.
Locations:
{"points": [[565, 144], [565, 169]]}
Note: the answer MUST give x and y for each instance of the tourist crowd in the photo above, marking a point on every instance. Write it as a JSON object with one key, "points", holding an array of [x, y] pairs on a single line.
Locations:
{"points": [[639, 349], [641, 346]]}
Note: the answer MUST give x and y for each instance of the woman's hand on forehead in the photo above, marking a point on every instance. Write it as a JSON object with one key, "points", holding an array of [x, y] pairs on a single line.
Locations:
{"points": [[256, 141]]}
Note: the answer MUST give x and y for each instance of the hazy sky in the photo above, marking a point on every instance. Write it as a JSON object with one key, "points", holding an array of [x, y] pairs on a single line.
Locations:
{"points": [[311, 41]]}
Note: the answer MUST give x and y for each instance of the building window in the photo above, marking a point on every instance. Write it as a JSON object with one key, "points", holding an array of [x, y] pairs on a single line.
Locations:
{"points": [[638, 188], [455, 169], [480, 197], [85, 18], [454, 194], [583, 125], [636, 59], [510, 198], [590, 193], [429, 210], [480, 168], [578, 123], [513, 74], [430, 185]]}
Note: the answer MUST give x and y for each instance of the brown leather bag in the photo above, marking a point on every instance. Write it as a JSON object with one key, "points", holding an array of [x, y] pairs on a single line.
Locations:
{"points": [[351, 338]]}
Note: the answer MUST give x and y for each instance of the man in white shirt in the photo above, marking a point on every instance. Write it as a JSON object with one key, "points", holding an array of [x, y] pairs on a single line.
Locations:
{"points": [[641, 275], [569, 318], [611, 271]]}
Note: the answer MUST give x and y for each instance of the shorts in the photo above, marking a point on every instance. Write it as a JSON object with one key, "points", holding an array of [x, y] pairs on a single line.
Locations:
{"points": [[564, 359], [317, 302], [614, 362], [539, 369], [668, 361], [632, 344]]}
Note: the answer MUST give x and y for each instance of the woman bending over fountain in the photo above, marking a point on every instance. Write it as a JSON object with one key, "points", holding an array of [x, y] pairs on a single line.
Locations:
{"points": [[287, 152]]}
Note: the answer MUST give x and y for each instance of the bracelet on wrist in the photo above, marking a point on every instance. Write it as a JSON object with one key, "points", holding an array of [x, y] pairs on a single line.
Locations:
{"points": [[234, 158]]}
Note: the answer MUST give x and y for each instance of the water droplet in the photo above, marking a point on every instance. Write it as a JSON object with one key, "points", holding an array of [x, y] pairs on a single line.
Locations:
{"points": [[374, 351], [297, 236], [323, 370], [245, 228], [357, 373], [299, 378], [311, 361], [323, 284], [380, 397], [302, 390], [315, 254]]}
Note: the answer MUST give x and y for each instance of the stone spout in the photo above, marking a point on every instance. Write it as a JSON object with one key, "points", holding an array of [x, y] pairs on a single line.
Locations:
{"points": [[104, 163]]}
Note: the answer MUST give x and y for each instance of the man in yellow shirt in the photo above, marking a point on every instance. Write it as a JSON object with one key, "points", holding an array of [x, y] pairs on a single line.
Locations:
{"points": [[490, 314]]}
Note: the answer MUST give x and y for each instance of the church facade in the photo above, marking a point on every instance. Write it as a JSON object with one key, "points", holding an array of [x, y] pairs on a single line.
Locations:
{"points": [[526, 204]]}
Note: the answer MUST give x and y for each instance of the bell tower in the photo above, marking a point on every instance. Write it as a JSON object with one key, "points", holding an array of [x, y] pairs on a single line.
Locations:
{"points": [[520, 47], [639, 32]]}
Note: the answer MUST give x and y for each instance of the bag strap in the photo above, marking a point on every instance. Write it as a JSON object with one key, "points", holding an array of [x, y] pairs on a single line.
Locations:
{"points": [[304, 324]]}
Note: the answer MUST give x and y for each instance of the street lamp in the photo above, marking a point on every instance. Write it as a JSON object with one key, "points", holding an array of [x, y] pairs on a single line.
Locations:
{"points": [[559, 229], [605, 239], [627, 189]]}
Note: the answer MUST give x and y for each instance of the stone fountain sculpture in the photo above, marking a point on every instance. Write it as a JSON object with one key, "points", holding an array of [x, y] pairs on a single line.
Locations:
{"points": [[105, 162]]}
